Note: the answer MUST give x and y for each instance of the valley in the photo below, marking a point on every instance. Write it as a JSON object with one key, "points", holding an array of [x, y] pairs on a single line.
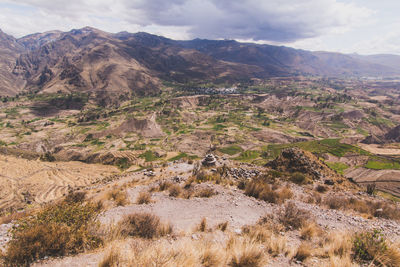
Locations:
{"points": [[104, 140]]}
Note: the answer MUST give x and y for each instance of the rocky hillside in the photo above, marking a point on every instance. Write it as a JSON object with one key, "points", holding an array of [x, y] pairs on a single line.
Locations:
{"points": [[392, 136], [90, 60]]}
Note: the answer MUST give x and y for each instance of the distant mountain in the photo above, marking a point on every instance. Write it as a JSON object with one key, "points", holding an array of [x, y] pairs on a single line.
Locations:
{"points": [[392, 61], [10, 84], [280, 60], [90, 60]]}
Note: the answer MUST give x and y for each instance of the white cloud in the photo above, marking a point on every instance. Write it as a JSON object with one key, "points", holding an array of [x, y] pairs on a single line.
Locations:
{"points": [[274, 20]]}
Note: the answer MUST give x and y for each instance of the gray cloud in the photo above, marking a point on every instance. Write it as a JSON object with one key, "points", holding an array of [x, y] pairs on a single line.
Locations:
{"points": [[273, 20]]}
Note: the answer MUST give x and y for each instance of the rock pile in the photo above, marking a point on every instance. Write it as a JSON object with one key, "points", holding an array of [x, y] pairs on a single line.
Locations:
{"points": [[297, 160], [209, 160], [242, 173]]}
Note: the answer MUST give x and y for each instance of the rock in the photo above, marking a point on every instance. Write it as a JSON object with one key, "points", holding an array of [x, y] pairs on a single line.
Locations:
{"points": [[209, 160], [329, 182], [238, 231]]}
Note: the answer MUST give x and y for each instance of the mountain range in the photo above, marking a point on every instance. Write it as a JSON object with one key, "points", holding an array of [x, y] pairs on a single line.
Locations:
{"points": [[90, 60]]}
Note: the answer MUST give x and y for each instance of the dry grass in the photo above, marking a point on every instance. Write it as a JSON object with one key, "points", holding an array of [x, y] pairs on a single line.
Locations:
{"points": [[175, 190], [239, 252], [292, 217], [143, 225], [258, 188], [144, 198], [303, 252], [309, 230], [373, 208], [119, 196], [337, 244], [336, 261], [246, 254], [264, 234], [222, 226], [164, 185], [206, 192], [112, 259]]}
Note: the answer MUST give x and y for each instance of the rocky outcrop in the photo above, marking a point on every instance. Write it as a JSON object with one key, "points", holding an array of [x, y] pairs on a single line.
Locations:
{"points": [[297, 160]]}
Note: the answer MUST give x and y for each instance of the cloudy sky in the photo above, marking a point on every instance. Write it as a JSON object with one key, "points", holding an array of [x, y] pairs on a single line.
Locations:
{"points": [[349, 26]]}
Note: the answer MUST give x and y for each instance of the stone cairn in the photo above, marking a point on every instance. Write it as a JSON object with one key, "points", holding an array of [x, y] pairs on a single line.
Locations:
{"points": [[209, 160]]}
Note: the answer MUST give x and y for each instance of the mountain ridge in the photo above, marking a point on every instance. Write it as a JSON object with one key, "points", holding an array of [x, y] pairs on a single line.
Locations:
{"points": [[91, 60]]}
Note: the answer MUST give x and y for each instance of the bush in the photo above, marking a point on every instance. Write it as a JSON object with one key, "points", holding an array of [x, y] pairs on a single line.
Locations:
{"points": [[75, 197], [118, 195], [164, 185], [57, 230], [292, 217], [248, 255], [371, 189], [260, 189], [298, 178], [143, 225], [203, 225], [144, 198], [174, 190], [206, 192], [368, 245], [321, 188]]}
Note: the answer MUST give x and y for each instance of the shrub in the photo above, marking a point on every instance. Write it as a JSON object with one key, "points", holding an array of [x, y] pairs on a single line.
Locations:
{"points": [[206, 192], [247, 255], [335, 202], [59, 229], [118, 195], [174, 190], [285, 193], [369, 246], [203, 225], [143, 198], [75, 197], [293, 217], [298, 178], [143, 225], [321, 188], [371, 189], [164, 185], [258, 188], [223, 226], [308, 231]]}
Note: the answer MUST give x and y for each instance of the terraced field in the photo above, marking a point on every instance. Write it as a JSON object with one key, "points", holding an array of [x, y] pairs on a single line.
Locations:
{"points": [[23, 181]]}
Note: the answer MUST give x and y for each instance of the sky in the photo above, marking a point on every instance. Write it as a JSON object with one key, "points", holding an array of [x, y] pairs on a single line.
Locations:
{"points": [[346, 26]]}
